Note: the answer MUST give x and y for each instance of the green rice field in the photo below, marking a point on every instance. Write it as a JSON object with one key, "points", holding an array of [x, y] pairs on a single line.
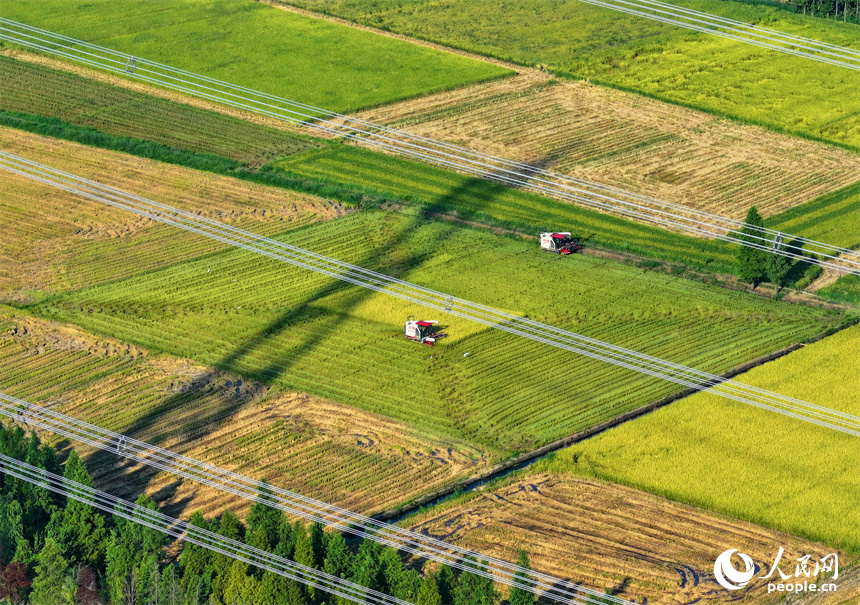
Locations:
{"points": [[301, 332], [252, 44]]}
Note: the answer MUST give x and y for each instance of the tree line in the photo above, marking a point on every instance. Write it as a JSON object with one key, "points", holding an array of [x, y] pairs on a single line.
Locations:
{"points": [[58, 551]]}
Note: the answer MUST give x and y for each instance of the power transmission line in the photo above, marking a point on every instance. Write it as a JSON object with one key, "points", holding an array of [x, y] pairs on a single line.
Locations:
{"points": [[764, 37], [188, 532], [297, 505], [458, 307], [517, 174]]}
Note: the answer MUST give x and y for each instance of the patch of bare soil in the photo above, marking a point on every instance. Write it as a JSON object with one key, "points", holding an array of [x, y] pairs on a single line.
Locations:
{"points": [[609, 536]]}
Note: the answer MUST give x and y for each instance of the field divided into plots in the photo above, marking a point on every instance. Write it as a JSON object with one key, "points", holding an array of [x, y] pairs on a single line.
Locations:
{"points": [[748, 463], [252, 44], [831, 218], [320, 448], [296, 331], [625, 140], [441, 192], [722, 76]]}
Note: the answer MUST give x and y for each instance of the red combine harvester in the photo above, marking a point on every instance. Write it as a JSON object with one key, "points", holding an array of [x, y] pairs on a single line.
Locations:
{"points": [[560, 243], [422, 331]]}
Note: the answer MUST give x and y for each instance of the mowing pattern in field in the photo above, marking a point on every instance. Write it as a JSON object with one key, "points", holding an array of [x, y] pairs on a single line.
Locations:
{"points": [[696, 69], [300, 332], [319, 448], [441, 192], [251, 44], [35, 89], [54, 240], [745, 462], [609, 536], [675, 154]]}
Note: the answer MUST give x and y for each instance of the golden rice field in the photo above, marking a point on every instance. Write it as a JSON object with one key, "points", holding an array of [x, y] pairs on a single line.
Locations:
{"points": [[319, 448], [626, 140], [743, 461]]}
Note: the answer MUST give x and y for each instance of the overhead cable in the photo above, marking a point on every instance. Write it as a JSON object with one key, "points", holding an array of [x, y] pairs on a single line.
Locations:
{"points": [[515, 174]]}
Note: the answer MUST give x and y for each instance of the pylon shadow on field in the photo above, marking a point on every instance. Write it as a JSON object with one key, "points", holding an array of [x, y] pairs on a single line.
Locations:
{"points": [[141, 477]]}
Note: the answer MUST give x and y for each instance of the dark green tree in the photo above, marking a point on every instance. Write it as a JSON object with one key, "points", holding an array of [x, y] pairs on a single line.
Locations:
{"points": [[194, 559], [53, 584], [366, 569], [428, 592], [286, 539], [752, 262], [79, 529], [338, 559], [304, 555], [230, 527], [396, 579], [272, 590], [472, 589], [777, 266], [337, 562], [11, 527], [445, 581], [263, 522], [318, 543], [519, 596]]}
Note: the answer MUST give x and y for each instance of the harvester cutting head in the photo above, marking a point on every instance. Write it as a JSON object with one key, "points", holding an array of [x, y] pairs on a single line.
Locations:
{"points": [[422, 331], [559, 242]]}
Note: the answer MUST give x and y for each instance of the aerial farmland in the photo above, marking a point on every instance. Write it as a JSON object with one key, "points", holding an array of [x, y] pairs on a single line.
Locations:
{"points": [[314, 302]]}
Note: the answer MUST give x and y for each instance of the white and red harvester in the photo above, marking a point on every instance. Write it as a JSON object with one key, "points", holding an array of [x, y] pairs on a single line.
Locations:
{"points": [[559, 242], [422, 331]]}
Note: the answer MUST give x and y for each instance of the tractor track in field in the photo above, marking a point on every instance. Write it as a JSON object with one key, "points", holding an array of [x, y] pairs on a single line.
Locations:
{"points": [[577, 524]]}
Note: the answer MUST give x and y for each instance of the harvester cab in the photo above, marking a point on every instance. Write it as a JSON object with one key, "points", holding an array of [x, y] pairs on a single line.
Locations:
{"points": [[559, 242], [422, 331]]}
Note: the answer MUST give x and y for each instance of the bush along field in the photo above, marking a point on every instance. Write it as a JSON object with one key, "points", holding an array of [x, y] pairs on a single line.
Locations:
{"points": [[252, 44], [694, 69], [746, 462], [296, 331]]}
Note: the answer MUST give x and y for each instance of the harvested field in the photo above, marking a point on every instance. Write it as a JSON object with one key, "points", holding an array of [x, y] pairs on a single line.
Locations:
{"points": [[643, 145], [319, 448], [610, 536], [56, 241]]}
